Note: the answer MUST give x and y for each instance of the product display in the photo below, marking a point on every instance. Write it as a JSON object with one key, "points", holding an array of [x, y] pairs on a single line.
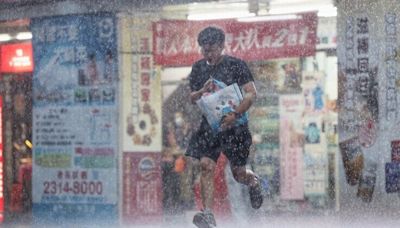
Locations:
{"points": [[353, 159], [367, 181], [392, 172]]}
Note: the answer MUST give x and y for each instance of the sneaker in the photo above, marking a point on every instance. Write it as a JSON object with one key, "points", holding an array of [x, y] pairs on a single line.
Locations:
{"points": [[256, 197], [204, 219]]}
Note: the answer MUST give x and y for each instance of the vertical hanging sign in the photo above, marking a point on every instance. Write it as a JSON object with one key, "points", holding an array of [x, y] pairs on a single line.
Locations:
{"points": [[291, 108], [142, 84], [390, 66], [75, 116], [141, 122]]}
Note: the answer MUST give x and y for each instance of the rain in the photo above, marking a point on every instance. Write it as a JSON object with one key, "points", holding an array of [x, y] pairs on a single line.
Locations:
{"points": [[207, 113]]}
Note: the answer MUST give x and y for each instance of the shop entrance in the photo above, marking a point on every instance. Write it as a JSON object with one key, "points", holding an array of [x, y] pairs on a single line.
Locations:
{"points": [[16, 67], [17, 143]]}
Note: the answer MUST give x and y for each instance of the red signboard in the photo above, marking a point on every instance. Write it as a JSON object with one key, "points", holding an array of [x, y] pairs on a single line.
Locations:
{"points": [[142, 190], [175, 41], [16, 58]]}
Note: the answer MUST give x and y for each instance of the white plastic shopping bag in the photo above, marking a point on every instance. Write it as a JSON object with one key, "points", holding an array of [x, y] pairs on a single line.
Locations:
{"points": [[219, 103]]}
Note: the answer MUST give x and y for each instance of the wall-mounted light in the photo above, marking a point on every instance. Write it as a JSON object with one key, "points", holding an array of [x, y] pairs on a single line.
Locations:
{"points": [[5, 37], [324, 8], [270, 18], [219, 15], [24, 36]]}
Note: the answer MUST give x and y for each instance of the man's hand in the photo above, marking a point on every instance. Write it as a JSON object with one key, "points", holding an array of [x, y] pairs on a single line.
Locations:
{"points": [[228, 121], [207, 87]]}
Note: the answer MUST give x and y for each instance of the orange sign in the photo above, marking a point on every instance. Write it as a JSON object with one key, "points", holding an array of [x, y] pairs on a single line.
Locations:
{"points": [[16, 58]]}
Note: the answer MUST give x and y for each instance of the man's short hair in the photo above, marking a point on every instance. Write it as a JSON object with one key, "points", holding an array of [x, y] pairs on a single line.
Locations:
{"points": [[211, 35]]}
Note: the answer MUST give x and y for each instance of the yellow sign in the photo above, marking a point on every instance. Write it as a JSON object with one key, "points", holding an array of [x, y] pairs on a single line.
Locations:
{"points": [[141, 88]]}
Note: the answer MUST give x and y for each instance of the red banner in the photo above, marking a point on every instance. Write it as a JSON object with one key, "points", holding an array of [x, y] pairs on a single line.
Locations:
{"points": [[16, 58], [175, 41], [142, 190]]}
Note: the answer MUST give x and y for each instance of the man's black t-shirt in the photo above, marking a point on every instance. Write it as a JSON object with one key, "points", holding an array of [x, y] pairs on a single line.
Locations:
{"points": [[229, 71]]}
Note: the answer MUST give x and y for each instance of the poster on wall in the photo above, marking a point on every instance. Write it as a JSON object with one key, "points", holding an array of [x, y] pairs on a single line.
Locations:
{"points": [[360, 114], [75, 118], [358, 76], [142, 131], [315, 170], [326, 33], [291, 135], [278, 75], [313, 84], [264, 125], [142, 190]]}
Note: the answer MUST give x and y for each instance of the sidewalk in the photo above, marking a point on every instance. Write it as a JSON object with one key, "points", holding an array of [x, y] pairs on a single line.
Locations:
{"points": [[334, 220]]}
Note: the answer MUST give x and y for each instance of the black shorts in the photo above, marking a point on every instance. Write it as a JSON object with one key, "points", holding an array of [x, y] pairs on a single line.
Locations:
{"points": [[234, 143]]}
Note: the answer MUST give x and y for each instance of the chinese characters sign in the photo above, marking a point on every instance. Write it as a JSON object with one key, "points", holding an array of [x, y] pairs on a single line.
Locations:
{"points": [[358, 89], [16, 58], [175, 42], [75, 117], [142, 86], [391, 63]]}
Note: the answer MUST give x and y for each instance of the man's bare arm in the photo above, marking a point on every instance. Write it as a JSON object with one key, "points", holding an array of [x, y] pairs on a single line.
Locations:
{"points": [[249, 96]]}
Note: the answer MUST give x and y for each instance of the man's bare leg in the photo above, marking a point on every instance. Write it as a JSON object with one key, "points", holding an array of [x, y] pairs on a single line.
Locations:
{"points": [[192, 174], [207, 167], [247, 177], [206, 217], [244, 176]]}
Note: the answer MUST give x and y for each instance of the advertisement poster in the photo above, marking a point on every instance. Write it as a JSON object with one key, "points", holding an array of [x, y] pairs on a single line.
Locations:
{"points": [[358, 73], [313, 84], [141, 123], [75, 118], [175, 41], [142, 98], [315, 170], [278, 75], [291, 135], [264, 125], [142, 190]]}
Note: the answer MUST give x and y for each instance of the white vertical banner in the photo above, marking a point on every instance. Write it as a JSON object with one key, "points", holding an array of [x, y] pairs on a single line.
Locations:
{"points": [[291, 108], [141, 88]]}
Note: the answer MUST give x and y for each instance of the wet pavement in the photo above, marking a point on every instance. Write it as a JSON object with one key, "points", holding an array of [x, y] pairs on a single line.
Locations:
{"points": [[328, 220]]}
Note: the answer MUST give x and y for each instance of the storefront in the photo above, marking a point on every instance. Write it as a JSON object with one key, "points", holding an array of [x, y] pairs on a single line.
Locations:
{"points": [[16, 70], [294, 120], [102, 108]]}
